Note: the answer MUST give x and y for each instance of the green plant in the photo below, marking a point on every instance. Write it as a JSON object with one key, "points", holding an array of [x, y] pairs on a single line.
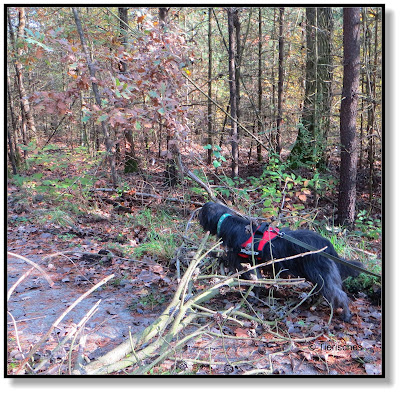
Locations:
{"points": [[367, 225], [66, 236], [157, 244], [152, 299], [236, 186], [278, 181], [160, 240], [55, 216], [216, 152]]}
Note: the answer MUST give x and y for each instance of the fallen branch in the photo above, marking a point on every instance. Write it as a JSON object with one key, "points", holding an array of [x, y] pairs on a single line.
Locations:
{"points": [[147, 195], [58, 320], [185, 170], [158, 338], [175, 314], [22, 278], [45, 275]]}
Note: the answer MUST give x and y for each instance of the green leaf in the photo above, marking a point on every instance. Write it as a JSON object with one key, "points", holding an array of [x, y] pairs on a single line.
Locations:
{"points": [[29, 32], [117, 82], [216, 164], [85, 118], [161, 111], [45, 47], [102, 118], [207, 147]]}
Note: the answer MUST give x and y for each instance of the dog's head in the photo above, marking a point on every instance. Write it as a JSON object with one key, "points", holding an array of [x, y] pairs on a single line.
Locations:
{"points": [[210, 214]]}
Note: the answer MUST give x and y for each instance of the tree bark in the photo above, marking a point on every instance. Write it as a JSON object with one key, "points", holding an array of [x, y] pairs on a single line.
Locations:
{"points": [[310, 145], [11, 134], [96, 93], [259, 79], [348, 115], [232, 92], [209, 101], [280, 84], [123, 26], [28, 122]]}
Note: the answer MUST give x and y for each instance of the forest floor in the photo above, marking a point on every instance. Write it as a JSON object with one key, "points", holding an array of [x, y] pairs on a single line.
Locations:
{"points": [[74, 250]]}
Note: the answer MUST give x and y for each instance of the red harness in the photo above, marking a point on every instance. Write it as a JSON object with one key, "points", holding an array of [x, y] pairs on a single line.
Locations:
{"points": [[248, 249]]}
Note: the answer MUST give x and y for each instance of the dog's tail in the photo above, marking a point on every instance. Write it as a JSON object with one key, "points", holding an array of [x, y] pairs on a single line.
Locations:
{"points": [[347, 271]]}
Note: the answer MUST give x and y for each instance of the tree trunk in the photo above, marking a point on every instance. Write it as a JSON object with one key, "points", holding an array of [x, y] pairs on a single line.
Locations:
{"points": [[348, 115], [95, 87], [28, 122], [236, 24], [11, 134], [260, 90], [27, 113], [162, 15], [310, 146], [209, 102], [123, 27], [232, 91], [280, 84]]}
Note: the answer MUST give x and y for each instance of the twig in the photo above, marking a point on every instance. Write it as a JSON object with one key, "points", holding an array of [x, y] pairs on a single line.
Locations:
{"points": [[59, 319], [147, 195], [79, 359], [226, 113], [46, 276], [174, 312], [22, 278], [16, 332]]}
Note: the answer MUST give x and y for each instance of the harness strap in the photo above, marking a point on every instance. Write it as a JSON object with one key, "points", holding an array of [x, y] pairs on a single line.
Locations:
{"points": [[325, 254], [263, 236]]}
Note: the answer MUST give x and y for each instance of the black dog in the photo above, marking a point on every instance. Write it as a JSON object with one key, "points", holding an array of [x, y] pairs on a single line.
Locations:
{"points": [[236, 233]]}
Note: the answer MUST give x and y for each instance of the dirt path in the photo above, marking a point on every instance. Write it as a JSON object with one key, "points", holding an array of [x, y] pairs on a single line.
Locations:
{"points": [[35, 305]]}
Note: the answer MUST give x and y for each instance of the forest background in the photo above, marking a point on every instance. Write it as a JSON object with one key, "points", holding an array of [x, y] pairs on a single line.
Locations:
{"points": [[120, 121]]}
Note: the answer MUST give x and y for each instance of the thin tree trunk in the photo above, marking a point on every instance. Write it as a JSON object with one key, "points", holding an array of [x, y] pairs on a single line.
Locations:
{"points": [[96, 93], [24, 100], [232, 91], [371, 136], [236, 24], [11, 135], [310, 146], [209, 102], [280, 83], [123, 27], [348, 115], [260, 91], [27, 121]]}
